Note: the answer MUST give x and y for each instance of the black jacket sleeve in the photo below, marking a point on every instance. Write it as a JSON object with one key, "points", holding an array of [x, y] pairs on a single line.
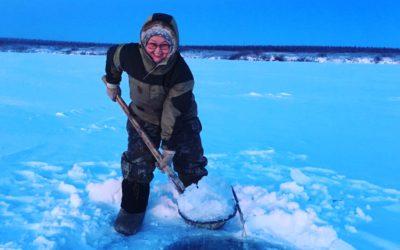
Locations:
{"points": [[113, 65], [179, 103]]}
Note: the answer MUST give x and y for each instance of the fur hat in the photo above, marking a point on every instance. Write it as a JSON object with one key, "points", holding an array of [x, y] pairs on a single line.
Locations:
{"points": [[156, 29]]}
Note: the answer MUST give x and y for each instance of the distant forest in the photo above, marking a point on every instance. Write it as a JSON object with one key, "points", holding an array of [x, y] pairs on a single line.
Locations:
{"points": [[21, 44]]}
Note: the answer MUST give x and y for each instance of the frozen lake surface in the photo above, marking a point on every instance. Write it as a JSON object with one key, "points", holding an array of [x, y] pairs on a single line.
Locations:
{"points": [[311, 149]]}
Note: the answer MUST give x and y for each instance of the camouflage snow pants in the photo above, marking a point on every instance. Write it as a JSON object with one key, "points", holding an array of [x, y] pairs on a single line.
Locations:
{"points": [[138, 164]]}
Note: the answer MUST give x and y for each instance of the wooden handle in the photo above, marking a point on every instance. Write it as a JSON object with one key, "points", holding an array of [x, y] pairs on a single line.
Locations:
{"points": [[166, 169]]}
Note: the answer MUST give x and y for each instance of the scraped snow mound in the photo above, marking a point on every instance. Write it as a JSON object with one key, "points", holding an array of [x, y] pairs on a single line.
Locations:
{"points": [[272, 214], [108, 191], [210, 200]]}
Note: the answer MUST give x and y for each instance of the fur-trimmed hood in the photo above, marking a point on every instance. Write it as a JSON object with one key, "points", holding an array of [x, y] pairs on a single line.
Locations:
{"points": [[159, 21]]}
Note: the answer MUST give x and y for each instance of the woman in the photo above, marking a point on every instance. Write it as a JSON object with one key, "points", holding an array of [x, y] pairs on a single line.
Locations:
{"points": [[161, 90]]}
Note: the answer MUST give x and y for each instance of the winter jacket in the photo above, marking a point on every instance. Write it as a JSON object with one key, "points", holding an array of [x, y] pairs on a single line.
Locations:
{"points": [[161, 94]]}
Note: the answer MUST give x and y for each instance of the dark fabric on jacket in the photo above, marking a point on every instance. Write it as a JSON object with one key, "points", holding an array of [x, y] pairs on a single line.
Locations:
{"points": [[162, 99]]}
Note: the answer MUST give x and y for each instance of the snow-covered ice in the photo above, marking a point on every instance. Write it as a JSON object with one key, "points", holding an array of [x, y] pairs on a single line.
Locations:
{"points": [[311, 150], [107, 192], [210, 200]]}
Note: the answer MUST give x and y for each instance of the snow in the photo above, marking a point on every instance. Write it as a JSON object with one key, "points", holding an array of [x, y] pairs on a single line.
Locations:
{"points": [[298, 150], [270, 95], [268, 213], [166, 208], [210, 193], [360, 214], [263, 153], [67, 188], [291, 187], [255, 94], [43, 166], [76, 172], [377, 242], [75, 201], [351, 229], [107, 192], [299, 177], [43, 243]]}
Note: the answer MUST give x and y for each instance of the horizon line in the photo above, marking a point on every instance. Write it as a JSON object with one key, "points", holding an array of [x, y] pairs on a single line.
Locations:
{"points": [[209, 45]]}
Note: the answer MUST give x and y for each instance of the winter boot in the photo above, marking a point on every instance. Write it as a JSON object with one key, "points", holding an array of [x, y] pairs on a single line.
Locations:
{"points": [[127, 223]]}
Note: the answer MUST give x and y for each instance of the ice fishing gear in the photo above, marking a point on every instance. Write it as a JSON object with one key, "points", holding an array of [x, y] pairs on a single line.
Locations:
{"points": [[218, 223], [244, 234], [213, 225], [157, 155], [208, 204]]}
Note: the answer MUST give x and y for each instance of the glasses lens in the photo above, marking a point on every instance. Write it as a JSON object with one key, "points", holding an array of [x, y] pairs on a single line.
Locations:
{"points": [[151, 46], [164, 47]]}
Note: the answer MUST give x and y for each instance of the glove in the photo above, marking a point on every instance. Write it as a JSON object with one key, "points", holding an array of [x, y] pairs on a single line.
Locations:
{"points": [[113, 90]]}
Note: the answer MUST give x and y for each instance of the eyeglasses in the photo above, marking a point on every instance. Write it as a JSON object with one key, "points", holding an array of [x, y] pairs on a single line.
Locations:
{"points": [[164, 47]]}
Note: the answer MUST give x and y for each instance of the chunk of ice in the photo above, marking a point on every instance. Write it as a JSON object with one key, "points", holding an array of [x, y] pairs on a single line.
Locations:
{"points": [[210, 200]]}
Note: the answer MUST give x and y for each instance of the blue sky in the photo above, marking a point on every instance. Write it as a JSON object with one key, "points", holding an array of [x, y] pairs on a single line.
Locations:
{"points": [[209, 22]]}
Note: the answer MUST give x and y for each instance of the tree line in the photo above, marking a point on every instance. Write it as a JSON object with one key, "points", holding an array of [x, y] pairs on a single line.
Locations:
{"points": [[256, 49]]}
